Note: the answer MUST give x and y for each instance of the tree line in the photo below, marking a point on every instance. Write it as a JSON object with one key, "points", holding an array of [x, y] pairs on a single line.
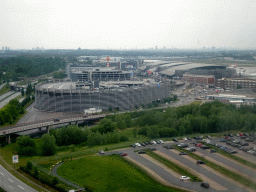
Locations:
{"points": [[15, 67]]}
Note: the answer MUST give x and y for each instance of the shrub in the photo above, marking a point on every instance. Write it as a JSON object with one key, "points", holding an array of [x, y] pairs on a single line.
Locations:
{"points": [[124, 138], [26, 146]]}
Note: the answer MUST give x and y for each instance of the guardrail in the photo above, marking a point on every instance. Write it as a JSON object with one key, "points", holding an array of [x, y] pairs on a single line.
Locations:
{"points": [[22, 127]]}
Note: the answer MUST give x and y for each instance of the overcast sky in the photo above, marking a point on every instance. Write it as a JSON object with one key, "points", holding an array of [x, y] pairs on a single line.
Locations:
{"points": [[92, 24]]}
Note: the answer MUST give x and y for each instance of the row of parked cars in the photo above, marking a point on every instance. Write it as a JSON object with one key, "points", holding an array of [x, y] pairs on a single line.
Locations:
{"points": [[242, 146], [147, 143], [223, 148]]}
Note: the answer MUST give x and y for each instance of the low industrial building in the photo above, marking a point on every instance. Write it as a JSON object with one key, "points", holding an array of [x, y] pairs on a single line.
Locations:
{"points": [[235, 83], [199, 79]]}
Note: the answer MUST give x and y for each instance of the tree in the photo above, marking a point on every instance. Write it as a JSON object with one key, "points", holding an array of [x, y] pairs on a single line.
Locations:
{"points": [[26, 146], [29, 166], [109, 108], [136, 106], [175, 97], [22, 91], [48, 145]]}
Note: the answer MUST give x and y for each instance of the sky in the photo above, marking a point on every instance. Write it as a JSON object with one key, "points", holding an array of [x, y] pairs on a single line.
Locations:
{"points": [[115, 24]]}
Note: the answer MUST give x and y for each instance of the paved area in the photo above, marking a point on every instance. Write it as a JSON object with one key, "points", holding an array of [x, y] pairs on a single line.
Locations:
{"points": [[5, 101], [11, 183]]}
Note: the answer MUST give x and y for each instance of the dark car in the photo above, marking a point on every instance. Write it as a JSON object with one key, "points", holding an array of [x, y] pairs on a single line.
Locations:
{"points": [[147, 143], [176, 140], [205, 185], [143, 144], [199, 162], [142, 152], [205, 147], [169, 147], [56, 120], [223, 140], [233, 152], [213, 151], [245, 144], [133, 146], [183, 153], [196, 138], [153, 149], [189, 138]]}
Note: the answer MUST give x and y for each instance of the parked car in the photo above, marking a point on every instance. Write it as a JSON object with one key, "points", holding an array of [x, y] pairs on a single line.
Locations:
{"points": [[123, 154], [169, 147], [56, 120], [142, 152], [153, 149], [198, 144], [102, 152], [191, 149], [199, 162], [184, 178], [183, 153], [137, 144], [205, 185], [133, 146], [208, 136], [161, 141], [196, 138], [176, 140], [213, 151], [205, 147], [189, 138], [223, 140]]}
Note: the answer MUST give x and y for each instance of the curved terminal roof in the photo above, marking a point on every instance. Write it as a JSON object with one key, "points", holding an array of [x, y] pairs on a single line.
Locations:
{"points": [[171, 71]]}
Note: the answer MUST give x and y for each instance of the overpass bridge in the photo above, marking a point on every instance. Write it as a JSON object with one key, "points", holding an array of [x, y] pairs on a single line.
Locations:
{"points": [[45, 123]]}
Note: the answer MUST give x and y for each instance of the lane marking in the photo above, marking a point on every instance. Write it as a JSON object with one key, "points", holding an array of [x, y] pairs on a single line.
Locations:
{"points": [[10, 186], [1, 173], [10, 180], [20, 187]]}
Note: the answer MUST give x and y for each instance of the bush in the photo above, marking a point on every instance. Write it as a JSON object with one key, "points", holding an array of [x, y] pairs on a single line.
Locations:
{"points": [[143, 131], [29, 166], [123, 138], [48, 145], [26, 146]]}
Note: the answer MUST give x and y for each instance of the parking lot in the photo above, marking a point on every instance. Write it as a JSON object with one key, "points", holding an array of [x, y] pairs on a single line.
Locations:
{"points": [[216, 180]]}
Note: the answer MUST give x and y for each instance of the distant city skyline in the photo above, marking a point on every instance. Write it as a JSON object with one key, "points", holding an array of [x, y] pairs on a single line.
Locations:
{"points": [[183, 24]]}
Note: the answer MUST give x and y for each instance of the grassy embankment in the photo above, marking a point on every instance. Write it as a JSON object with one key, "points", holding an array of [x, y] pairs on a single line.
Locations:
{"points": [[238, 159], [220, 169], [109, 173], [175, 167]]}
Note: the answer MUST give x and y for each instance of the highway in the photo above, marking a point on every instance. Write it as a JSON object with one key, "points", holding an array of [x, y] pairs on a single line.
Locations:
{"points": [[1, 86], [11, 183], [5, 101], [6, 95]]}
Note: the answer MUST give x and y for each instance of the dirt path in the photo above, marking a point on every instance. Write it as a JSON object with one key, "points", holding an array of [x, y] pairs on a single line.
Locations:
{"points": [[220, 174], [212, 183], [154, 175]]}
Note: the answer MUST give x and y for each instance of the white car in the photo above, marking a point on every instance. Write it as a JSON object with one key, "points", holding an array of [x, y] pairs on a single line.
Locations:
{"points": [[180, 144], [161, 141], [137, 145], [185, 138], [154, 143], [184, 178], [102, 152]]}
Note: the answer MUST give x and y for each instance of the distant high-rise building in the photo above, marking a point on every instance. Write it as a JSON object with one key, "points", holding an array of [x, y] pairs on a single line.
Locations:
{"points": [[6, 48], [2, 48]]}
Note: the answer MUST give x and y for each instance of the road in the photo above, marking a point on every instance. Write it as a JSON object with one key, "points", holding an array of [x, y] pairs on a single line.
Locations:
{"points": [[11, 183], [4, 102], [6, 95], [1, 86]]}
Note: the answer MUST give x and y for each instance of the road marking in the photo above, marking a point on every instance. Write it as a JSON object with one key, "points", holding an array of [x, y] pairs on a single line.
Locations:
{"points": [[1, 173], [10, 186], [20, 187], [10, 180]]}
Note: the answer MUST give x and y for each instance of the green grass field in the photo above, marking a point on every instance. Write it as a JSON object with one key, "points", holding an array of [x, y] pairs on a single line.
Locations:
{"points": [[108, 173]]}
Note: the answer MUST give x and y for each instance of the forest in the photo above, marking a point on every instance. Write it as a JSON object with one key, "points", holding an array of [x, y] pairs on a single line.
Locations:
{"points": [[11, 69]]}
